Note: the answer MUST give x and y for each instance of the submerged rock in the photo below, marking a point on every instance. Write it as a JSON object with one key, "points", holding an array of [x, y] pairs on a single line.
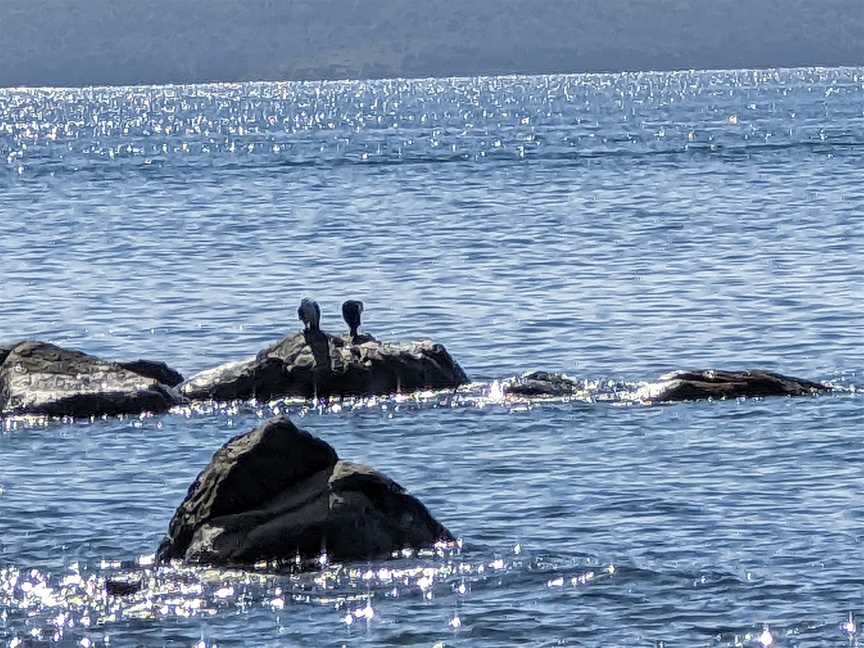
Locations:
{"points": [[44, 379], [541, 383], [278, 493], [311, 364], [711, 383]]}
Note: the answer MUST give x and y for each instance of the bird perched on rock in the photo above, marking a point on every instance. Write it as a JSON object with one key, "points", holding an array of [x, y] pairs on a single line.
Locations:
{"points": [[351, 311], [310, 314]]}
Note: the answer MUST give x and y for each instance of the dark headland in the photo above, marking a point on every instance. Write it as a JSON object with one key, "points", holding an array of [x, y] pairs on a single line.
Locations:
{"points": [[126, 42]]}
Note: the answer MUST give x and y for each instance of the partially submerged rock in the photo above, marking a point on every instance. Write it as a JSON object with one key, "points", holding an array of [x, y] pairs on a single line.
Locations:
{"points": [[123, 587], [278, 493], [675, 386], [541, 383], [315, 364], [44, 379], [711, 383]]}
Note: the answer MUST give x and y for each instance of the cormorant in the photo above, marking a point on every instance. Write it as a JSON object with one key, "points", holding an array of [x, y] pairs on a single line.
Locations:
{"points": [[310, 314], [351, 311]]}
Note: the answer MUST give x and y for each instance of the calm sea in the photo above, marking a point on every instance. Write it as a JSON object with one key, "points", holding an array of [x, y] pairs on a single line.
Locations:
{"points": [[610, 226]]}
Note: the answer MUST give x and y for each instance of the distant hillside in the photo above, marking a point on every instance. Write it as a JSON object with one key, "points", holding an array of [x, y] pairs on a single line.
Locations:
{"points": [[82, 42]]}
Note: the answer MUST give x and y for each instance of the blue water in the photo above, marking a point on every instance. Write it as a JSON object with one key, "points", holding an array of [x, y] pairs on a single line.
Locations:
{"points": [[611, 226]]}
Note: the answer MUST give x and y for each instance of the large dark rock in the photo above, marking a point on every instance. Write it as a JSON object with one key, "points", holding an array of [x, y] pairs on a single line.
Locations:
{"points": [[277, 493], [716, 384], [540, 384], [315, 364], [44, 379]]}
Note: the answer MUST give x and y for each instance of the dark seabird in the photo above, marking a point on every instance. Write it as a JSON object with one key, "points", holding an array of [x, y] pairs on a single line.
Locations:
{"points": [[351, 311], [310, 314]]}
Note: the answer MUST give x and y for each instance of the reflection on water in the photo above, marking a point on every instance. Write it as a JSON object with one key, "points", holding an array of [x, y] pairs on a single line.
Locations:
{"points": [[613, 227], [76, 605]]}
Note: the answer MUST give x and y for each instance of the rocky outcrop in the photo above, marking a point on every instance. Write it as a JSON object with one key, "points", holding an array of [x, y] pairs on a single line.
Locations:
{"points": [[43, 379], [541, 384], [315, 364], [711, 383], [278, 493]]}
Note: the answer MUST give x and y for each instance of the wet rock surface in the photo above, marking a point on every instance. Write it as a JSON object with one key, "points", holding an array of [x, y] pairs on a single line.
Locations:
{"points": [[315, 364], [675, 386], [158, 371], [123, 587], [4, 351], [278, 493], [44, 379], [541, 383], [717, 384]]}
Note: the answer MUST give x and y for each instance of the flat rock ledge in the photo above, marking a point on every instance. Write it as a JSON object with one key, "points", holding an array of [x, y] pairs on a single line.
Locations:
{"points": [[718, 385], [311, 365], [278, 494], [38, 378]]}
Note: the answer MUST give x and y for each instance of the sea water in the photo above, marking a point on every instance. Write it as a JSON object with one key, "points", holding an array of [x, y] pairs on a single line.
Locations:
{"points": [[610, 226]]}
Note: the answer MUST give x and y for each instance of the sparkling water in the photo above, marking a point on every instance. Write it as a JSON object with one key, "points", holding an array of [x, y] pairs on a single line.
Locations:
{"points": [[611, 226]]}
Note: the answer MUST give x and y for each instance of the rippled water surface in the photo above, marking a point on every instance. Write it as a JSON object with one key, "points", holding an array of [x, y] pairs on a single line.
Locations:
{"points": [[614, 227]]}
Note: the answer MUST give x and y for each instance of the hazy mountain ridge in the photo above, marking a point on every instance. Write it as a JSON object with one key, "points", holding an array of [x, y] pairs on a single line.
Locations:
{"points": [[58, 42]]}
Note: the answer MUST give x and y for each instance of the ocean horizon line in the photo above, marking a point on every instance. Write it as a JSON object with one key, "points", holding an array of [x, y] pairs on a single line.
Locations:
{"points": [[453, 77]]}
